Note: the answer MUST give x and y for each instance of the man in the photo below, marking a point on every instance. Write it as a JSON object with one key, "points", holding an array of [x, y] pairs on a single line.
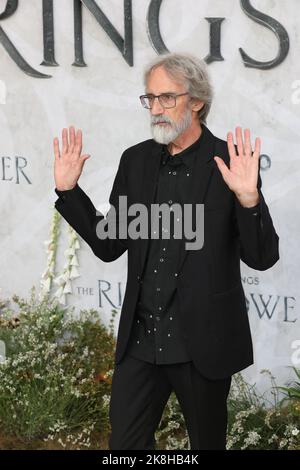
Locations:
{"points": [[184, 323]]}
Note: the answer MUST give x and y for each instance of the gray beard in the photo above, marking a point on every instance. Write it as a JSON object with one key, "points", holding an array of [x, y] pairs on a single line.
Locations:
{"points": [[164, 134]]}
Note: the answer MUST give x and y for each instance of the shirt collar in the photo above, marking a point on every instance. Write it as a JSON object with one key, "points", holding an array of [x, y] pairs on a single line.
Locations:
{"points": [[186, 156]]}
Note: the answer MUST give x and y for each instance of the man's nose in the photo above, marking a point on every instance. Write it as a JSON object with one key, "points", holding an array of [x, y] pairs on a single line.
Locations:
{"points": [[157, 108]]}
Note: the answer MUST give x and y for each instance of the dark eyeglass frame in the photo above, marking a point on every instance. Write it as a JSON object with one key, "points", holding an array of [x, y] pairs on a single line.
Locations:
{"points": [[174, 95]]}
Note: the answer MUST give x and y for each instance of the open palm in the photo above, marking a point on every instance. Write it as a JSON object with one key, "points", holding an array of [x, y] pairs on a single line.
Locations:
{"points": [[69, 163], [242, 174]]}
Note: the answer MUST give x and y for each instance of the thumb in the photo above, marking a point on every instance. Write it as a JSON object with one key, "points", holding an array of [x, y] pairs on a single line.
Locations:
{"points": [[222, 167], [85, 157]]}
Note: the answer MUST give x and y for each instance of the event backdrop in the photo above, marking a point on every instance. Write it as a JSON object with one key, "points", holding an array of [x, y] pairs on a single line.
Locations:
{"points": [[66, 62]]}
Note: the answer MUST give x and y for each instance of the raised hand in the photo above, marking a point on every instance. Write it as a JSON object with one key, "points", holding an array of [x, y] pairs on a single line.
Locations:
{"points": [[241, 177], [69, 163]]}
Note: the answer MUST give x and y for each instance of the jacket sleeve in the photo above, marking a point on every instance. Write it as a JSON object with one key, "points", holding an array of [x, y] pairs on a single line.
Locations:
{"points": [[258, 238], [78, 210]]}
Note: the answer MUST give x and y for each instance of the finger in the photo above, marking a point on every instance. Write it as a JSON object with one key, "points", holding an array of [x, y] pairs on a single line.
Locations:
{"points": [[82, 160], [222, 167], [257, 148], [56, 148], [248, 148], [65, 143], [78, 142], [230, 145], [84, 157], [71, 139], [239, 141]]}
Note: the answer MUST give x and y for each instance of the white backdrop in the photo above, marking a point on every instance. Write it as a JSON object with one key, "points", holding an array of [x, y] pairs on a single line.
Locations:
{"points": [[102, 99]]}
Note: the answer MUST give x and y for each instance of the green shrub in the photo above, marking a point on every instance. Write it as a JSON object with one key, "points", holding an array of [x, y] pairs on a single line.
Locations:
{"points": [[56, 380], [57, 375]]}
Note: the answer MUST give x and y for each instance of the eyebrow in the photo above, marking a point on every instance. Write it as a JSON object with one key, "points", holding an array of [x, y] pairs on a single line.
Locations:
{"points": [[163, 93]]}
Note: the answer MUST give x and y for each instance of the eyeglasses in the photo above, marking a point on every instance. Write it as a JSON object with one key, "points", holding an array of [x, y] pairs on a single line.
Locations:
{"points": [[167, 100]]}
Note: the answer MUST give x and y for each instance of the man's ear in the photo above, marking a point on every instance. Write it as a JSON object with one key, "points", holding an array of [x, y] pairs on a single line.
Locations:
{"points": [[196, 104]]}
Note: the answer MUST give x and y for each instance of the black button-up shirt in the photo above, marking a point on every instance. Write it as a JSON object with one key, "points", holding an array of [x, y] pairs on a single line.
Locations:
{"points": [[156, 335]]}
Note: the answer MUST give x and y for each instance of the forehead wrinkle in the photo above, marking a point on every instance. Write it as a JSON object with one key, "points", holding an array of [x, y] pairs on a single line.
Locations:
{"points": [[160, 80]]}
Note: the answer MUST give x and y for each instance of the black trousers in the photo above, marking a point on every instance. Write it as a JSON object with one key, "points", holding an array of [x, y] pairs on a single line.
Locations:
{"points": [[140, 391]]}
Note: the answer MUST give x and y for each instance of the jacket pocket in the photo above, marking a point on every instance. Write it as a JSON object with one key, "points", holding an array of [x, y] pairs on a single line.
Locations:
{"points": [[227, 292]]}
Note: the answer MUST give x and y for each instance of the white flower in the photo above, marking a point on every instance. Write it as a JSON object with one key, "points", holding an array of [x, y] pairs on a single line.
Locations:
{"points": [[86, 351], [74, 273], [61, 442], [69, 252], [76, 244], [252, 439], [273, 438], [67, 288], [74, 261], [283, 443]]}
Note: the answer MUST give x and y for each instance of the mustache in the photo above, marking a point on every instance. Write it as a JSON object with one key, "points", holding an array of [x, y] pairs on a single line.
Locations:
{"points": [[156, 119]]}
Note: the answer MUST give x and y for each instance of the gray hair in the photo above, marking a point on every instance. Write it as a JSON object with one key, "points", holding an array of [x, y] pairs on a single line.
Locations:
{"points": [[191, 72]]}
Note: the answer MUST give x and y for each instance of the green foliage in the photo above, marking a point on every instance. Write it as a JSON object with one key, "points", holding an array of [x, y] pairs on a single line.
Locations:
{"points": [[57, 373], [56, 380], [293, 390], [256, 422], [172, 433]]}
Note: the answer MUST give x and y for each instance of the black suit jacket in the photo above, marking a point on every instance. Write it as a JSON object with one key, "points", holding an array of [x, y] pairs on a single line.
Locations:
{"points": [[213, 310]]}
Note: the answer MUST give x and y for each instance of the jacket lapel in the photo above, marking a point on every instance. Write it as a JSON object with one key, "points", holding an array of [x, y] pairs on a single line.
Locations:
{"points": [[204, 166], [149, 181]]}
